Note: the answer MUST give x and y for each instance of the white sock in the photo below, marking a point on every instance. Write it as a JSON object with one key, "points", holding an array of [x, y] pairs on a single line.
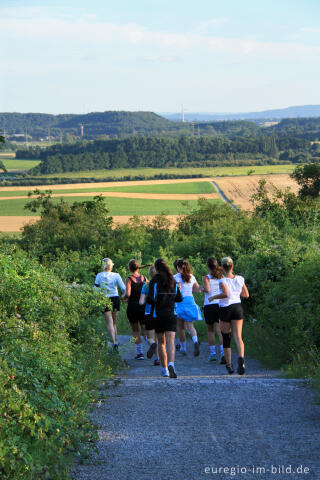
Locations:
{"points": [[139, 348], [212, 349], [195, 338], [183, 345]]}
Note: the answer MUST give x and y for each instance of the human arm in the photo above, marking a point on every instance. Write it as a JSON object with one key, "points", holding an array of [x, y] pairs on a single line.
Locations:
{"points": [[127, 293], [206, 283], [223, 294], [178, 297], [151, 296], [244, 292], [144, 293], [196, 288]]}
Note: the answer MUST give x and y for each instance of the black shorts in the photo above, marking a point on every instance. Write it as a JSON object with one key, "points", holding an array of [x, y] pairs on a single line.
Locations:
{"points": [[231, 312], [211, 313], [135, 314], [115, 304], [149, 322], [165, 324]]}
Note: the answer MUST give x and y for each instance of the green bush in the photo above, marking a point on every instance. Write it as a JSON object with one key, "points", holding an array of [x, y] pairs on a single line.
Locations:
{"points": [[51, 354]]}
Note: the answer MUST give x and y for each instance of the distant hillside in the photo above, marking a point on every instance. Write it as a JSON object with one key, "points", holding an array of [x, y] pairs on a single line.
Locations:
{"points": [[111, 124], [290, 112]]}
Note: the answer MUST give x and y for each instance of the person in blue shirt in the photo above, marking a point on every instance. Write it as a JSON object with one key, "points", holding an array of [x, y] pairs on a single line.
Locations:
{"points": [[109, 282], [149, 319]]}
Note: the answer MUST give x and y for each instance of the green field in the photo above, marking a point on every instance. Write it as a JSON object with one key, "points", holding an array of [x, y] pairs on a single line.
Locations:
{"points": [[116, 206], [170, 188], [149, 172], [14, 164]]}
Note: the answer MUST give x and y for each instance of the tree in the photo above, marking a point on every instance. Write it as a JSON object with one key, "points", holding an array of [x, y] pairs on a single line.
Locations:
{"points": [[308, 178], [2, 166]]}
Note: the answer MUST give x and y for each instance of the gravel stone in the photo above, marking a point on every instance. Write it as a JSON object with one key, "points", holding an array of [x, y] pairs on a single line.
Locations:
{"points": [[153, 428]]}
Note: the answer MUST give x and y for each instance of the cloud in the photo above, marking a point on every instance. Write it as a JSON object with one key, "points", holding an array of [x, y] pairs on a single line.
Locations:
{"points": [[310, 29], [205, 27], [87, 31]]}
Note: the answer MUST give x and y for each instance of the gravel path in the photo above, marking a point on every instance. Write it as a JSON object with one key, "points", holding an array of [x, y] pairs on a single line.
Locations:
{"points": [[224, 197], [152, 428]]}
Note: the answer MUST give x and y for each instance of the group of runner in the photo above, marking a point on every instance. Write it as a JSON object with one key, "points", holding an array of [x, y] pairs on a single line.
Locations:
{"points": [[160, 307]]}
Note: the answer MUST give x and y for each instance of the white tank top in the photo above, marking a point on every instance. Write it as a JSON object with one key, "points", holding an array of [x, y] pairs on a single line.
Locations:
{"points": [[214, 290], [186, 288], [234, 286]]}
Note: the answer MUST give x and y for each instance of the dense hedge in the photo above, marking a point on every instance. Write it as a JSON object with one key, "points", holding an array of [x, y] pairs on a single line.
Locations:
{"points": [[51, 354]]}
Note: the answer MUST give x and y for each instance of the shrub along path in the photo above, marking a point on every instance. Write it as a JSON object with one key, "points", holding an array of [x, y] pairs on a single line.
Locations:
{"points": [[153, 428]]}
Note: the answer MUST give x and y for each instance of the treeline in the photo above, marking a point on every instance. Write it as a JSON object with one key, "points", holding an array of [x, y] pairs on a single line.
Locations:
{"points": [[156, 152]]}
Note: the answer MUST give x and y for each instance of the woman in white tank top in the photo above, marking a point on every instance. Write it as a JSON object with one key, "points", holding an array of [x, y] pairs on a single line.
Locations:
{"points": [[212, 286], [231, 313]]}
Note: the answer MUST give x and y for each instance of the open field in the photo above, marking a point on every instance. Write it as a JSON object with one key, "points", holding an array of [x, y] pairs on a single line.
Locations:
{"points": [[239, 189], [13, 224], [14, 164], [116, 206], [194, 188], [209, 172], [7, 155]]}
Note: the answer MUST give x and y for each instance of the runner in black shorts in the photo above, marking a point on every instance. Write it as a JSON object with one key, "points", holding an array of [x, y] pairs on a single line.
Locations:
{"points": [[110, 282], [149, 318], [135, 311], [163, 294], [211, 310], [231, 313]]}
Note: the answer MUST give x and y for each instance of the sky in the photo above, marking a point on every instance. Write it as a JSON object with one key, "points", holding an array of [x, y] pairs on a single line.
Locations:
{"points": [[77, 56]]}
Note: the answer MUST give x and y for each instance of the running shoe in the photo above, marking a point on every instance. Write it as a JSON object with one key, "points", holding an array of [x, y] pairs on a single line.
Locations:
{"points": [[115, 347], [212, 357], [152, 350], [156, 362], [172, 372], [164, 372], [183, 352], [222, 359], [230, 369], [241, 366], [140, 356], [178, 346], [196, 350]]}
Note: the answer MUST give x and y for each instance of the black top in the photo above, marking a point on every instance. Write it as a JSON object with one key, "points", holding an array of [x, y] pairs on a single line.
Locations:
{"points": [[136, 288], [163, 298]]}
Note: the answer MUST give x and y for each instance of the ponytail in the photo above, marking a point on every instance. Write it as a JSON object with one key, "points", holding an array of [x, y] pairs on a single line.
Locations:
{"points": [[213, 266], [165, 273], [186, 270]]}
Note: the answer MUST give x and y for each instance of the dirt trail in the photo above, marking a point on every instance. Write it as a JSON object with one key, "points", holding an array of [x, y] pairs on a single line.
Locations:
{"points": [[151, 428]]}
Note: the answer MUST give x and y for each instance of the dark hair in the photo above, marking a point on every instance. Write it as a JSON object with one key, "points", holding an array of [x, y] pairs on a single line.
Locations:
{"points": [[133, 265], [186, 270], [215, 270], [165, 273], [175, 264]]}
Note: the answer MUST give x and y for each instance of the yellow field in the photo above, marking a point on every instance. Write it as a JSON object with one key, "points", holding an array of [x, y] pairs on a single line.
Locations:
{"points": [[240, 189]]}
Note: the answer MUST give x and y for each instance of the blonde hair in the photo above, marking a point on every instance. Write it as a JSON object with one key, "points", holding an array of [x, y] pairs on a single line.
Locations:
{"points": [[227, 263], [152, 271], [107, 264]]}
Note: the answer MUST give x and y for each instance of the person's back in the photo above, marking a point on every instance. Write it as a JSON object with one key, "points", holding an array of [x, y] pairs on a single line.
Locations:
{"points": [[234, 286], [109, 283], [162, 297], [136, 287]]}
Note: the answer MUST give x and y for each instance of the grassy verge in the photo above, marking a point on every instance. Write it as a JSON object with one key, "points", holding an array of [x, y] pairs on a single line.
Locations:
{"points": [[116, 206]]}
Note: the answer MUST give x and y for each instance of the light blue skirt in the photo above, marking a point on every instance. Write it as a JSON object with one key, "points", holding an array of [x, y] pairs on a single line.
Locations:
{"points": [[188, 310]]}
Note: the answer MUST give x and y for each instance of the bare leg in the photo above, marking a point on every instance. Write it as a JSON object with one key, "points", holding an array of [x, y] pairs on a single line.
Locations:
{"points": [[136, 333], [162, 349], [115, 318], [237, 335], [218, 332], [151, 336], [110, 327], [170, 346], [226, 328], [191, 329], [211, 336], [180, 329]]}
